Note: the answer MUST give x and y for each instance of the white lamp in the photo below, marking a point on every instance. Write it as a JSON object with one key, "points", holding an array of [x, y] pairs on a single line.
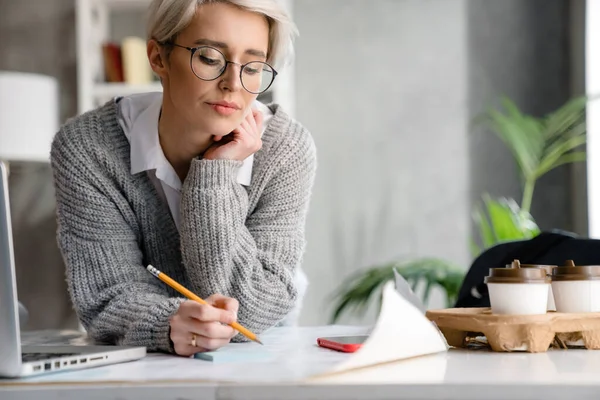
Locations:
{"points": [[28, 116], [28, 122]]}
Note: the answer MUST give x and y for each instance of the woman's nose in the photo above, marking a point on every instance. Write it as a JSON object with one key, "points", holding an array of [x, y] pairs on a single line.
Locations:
{"points": [[231, 78]]}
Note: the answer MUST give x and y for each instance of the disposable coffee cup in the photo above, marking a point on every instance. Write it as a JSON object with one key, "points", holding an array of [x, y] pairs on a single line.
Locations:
{"points": [[548, 269], [518, 291], [576, 288]]}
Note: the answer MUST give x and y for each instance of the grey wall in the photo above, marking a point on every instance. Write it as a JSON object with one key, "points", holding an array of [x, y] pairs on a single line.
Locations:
{"points": [[518, 49], [382, 85]]}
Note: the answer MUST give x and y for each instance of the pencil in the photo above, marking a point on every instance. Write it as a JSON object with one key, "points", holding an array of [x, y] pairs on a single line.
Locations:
{"points": [[169, 281]]}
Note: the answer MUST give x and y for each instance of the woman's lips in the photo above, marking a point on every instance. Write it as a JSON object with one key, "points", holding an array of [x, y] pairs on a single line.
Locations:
{"points": [[224, 108]]}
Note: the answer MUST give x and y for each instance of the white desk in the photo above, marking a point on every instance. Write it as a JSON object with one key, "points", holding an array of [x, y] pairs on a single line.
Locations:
{"points": [[457, 374]]}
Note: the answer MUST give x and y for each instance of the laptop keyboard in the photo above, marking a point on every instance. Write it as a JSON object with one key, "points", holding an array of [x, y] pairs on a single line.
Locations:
{"points": [[27, 357]]}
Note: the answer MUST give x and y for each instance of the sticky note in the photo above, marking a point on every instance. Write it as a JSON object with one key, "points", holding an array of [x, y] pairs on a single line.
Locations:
{"points": [[235, 354]]}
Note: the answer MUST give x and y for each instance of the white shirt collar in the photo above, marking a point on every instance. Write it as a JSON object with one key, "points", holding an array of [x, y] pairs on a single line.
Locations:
{"points": [[139, 119]]}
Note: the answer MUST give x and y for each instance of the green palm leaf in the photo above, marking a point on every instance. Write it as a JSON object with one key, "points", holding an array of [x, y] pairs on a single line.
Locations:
{"points": [[502, 221], [567, 116], [539, 145], [486, 233], [558, 150], [524, 146]]}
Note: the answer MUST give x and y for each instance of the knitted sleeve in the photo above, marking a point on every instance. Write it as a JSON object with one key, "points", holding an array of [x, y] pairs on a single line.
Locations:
{"points": [[116, 299], [249, 256]]}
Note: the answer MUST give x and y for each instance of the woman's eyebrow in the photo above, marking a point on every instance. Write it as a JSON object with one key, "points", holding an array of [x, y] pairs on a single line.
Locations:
{"points": [[221, 45]]}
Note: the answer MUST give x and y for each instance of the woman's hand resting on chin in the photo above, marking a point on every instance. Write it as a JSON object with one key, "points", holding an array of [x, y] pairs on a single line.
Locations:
{"points": [[244, 141]]}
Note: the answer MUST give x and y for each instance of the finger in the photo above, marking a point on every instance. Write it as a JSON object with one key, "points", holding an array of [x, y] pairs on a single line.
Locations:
{"points": [[210, 344], [257, 122], [182, 339], [185, 348], [259, 119], [240, 135], [252, 120], [213, 330], [228, 138], [208, 313], [250, 131], [183, 343], [224, 302], [220, 138], [239, 130]]}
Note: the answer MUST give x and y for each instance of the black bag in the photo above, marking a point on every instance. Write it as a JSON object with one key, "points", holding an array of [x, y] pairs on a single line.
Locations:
{"points": [[548, 248]]}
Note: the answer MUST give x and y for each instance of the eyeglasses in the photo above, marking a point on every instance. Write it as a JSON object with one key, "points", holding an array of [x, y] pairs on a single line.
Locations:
{"points": [[208, 64]]}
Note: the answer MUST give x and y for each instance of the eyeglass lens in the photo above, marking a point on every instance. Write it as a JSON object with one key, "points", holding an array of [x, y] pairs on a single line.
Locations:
{"points": [[209, 63]]}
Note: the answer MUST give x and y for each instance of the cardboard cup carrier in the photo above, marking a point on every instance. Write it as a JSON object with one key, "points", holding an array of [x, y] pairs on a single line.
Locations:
{"points": [[518, 319]]}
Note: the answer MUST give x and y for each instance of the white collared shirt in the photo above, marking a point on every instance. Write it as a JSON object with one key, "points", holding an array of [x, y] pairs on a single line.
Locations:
{"points": [[138, 116]]}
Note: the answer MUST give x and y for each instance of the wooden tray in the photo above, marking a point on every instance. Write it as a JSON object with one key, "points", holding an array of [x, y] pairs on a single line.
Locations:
{"points": [[531, 333]]}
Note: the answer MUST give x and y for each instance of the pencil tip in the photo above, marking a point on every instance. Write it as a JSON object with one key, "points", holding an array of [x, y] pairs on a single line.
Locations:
{"points": [[257, 340]]}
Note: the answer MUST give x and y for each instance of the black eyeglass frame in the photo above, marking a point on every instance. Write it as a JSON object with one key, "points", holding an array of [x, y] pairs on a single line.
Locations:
{"points": [[193, 51]]}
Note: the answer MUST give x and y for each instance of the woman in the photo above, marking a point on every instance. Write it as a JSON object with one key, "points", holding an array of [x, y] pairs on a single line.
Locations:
{"points": [[163, 179]]}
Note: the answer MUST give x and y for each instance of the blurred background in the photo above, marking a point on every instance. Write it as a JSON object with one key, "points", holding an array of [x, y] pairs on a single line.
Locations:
{"points": [[390, 90]]}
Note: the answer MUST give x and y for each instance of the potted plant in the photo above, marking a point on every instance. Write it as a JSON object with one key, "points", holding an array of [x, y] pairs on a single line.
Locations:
{"points": [[538, 145]]}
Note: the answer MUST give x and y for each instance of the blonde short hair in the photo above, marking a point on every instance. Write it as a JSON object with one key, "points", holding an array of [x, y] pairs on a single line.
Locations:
{"points": [[167, 18]]}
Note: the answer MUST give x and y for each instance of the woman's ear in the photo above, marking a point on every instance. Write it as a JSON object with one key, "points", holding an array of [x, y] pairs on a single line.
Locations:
{"points": [[156, 56]]}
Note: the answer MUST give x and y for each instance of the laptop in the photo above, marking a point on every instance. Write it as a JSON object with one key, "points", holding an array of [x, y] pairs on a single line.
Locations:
{"points": [[22, 361]]}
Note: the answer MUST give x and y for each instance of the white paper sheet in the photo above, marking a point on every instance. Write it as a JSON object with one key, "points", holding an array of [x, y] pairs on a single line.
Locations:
{"points": [[405, 291], [401, 332]]}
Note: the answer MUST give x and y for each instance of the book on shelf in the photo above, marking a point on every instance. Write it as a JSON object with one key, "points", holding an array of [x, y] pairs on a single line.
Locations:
{"points": [[113, 64], [127, 62]]}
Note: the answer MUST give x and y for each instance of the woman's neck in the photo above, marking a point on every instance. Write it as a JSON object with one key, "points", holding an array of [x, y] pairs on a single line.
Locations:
{"points": [[180, 143]]}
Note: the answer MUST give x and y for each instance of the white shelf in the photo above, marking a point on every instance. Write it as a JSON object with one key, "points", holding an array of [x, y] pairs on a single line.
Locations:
{"points": [[104, 90]]}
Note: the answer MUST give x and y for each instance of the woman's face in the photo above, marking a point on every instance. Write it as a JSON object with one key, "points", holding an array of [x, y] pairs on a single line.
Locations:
{"points": [[218, 106]]}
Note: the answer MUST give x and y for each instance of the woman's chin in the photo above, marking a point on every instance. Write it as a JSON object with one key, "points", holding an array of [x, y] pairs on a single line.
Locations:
{"points": [[222, 129], [218, 126], [219, 133]]}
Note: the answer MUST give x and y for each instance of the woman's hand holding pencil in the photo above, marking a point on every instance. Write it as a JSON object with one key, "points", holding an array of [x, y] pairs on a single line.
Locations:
{"points": [[198, 325], [206, 322]]}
